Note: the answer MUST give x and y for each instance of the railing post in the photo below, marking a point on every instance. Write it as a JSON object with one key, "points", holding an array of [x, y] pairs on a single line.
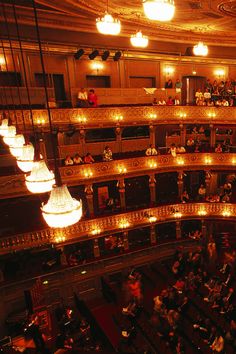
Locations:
{"points": [[152, 131], [180, 183], [153, 237], [207, 181], [118, 138], [96, 249], [212, 135], [178, 230], [182, 134], [126, 240], [152, 187], [121, 186]]}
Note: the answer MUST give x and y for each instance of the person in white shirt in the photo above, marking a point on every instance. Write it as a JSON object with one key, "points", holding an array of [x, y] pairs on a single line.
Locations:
{"points": [[198, 96], [83, 98], [151, 151], [172, 150], [176, 101], [207, 95], [161, 102]]}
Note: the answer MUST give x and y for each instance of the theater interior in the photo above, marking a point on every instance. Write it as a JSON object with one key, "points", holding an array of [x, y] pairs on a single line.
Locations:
{"points": [[118, 176]]}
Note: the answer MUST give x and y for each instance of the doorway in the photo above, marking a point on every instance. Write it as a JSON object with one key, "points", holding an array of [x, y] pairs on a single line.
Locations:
{"points": [[190, 85]]}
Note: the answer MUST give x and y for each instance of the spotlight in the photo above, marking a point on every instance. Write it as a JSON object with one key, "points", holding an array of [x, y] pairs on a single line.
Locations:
{"points": [[105, 55], [79, 54], [94, 54], [117, 56]]}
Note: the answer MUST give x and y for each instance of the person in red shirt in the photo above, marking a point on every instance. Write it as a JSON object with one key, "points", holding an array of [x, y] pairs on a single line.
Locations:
{"points": [[92, 98]]}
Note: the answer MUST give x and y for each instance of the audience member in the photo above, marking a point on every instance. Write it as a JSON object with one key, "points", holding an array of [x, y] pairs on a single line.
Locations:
{"points": [[77, 159], [92, 98], [107, 154], [83, 98], [169, 101], [169, 84], [151, 151], [68, 161], [88, 158], [172, 150], [178, 84]]}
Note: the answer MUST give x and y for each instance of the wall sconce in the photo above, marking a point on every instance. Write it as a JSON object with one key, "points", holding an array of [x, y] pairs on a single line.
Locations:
{"points": [[82, 120], [177, 214], [96, 231], [152, 116], [202, 212], [59, 239], [233, 161], [226, 213], [194, 72], [118, 118], [220, 73], [208, 160], [169, 70], [122, 169], [182, 115], [3, 66], [152, 219], [211, 115], [152, 164], [88, 173], [124, 224], [180, 161], [40, 121]]}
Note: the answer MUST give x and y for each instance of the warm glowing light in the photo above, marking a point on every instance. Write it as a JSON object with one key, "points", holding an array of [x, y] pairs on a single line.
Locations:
{"points": [[118, 118], [4, 127], [177, 214], [139, 40], [233, 161], [88, 173], [152, 219], [108, 25], [152, 164], [160, 10], [96, 231], [211, 115], [16, 148], [97, 66], [124, 224], [182, 115], [220, 72], [180, 161], [169, 70], [82, 119], [194, 72], [41, 121], [2, 60], [152, 116], [60, 239], [122, 169], [226, 213], [25, 162], [40, 180], [202, 212], [200, 49], [61, 209], [9, 138], [208, 160]]}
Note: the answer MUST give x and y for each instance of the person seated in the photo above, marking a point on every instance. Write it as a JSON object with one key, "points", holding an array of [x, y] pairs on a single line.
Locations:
{"points": [[207, 95], [218, 344], [154, 102], [68, 161], [180, 149], [176, 101], [130, 310], [201, 193], [225, 103], [185, 197], [158, 303], [161, 102], [172, 150], [198, 96], [151, 151], [218, 148], [83, 98], [190, 142], [210, 103], [169, 102], [92, 98], [77, 159], [107, 154], [88, 158], [218, 103], [195, 130]]}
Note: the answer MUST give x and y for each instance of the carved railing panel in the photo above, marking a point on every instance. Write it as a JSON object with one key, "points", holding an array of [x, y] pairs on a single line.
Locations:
{"points": [[84, 230]]}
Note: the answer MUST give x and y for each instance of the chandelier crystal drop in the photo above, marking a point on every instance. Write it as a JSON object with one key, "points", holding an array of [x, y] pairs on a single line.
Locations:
{"points": [[108, 25], [200, 49], [159, 10], [10, 135], [61, 209], [4, 127], [40, 180], [17, 144], [139, 40], [26, 160]]}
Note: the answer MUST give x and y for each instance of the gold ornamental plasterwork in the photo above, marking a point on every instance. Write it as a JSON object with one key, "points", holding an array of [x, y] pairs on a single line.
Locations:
{"points": [[115, 223]]}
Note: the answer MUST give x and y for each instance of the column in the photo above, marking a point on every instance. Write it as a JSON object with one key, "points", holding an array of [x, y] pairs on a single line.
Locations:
{"points": [[180, 183], [125, 240], [212, 135], [96, 250], [89, 196], [207, 181], [118, 138], [182, 134], [152, 131], [82, 141], [42, 149], [152, 187], [121, 187], [204, 230], [178, 230], [153, 237]]}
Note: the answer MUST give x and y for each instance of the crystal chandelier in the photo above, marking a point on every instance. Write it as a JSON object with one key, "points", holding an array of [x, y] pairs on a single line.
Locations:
{"points": [[108, 25], [139, 40], [4, 127], [10, 135], [160, 10], [40, 180], [61, 209], [200, 49], [17, 145], [26, 160]]}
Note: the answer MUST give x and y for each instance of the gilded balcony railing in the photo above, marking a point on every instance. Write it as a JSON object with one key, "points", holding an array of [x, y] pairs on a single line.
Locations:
{"points": [[128, 115], [93, 228], [14, 186]]}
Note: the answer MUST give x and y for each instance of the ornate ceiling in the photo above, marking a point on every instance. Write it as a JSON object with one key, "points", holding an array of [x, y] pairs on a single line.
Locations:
{"points": [[213, 20]]}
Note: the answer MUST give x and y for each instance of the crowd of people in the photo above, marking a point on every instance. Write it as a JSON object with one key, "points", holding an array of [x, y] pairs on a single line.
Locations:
{"points": [[87, 99], [216, 93], [87, 159]]}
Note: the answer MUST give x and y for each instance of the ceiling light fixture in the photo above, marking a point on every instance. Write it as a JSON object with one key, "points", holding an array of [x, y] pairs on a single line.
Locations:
{"points": [[160, 10], [40, 180], [139, 40], [200, 49], [108, 24], [25, 162]]}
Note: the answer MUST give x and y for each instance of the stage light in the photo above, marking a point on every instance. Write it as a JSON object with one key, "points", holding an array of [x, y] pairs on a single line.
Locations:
{"points": [[117, 56], [105, 55], [94, 54], [79, 54]]}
